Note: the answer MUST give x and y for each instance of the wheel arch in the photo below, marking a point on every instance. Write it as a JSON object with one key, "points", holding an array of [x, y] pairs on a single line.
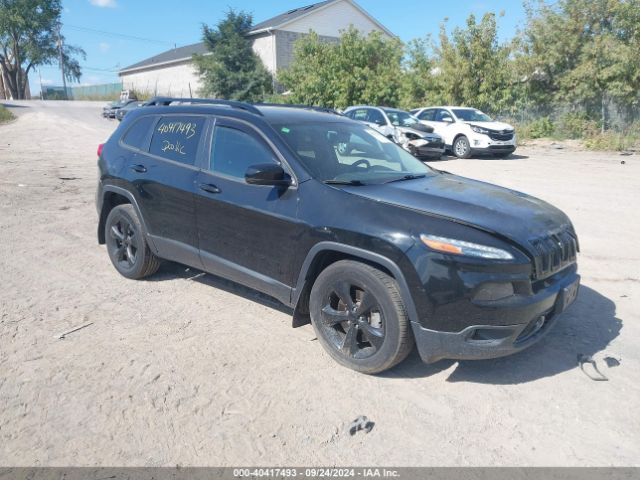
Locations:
{"points": [[112, 196], [324, 254]]}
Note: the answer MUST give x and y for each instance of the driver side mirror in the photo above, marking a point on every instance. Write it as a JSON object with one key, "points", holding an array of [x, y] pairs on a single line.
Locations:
{"points": [[267, 174], [447, 119]]}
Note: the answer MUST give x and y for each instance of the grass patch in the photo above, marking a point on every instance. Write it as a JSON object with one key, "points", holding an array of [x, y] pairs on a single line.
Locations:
{"points": [[5, 115], [576, 126]]}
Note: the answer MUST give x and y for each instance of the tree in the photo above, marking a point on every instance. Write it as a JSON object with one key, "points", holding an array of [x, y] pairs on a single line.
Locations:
{"points": [[231, 69], [582, 51], [29, 36], [419, 79], [356, 70], [473, 67]]}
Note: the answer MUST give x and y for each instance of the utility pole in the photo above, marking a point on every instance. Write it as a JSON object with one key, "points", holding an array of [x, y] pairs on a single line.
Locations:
{"points": [[41, 91], [64, 80]]}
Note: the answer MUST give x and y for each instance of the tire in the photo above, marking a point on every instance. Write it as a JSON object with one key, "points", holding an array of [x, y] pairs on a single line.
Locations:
{"points": [[127, 247], [375, 334], [461, 147]]}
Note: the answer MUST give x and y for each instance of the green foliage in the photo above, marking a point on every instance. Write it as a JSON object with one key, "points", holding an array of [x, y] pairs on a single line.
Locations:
{"points": [[576, 125], [5, 115], [617, 141], [359, 69], [231, 69], [28, 38], [582, 51], [541, 128], [473, 67]]}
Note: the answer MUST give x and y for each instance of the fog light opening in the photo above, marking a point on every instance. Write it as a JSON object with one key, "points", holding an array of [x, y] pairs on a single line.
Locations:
{"points": [[492, 291]]}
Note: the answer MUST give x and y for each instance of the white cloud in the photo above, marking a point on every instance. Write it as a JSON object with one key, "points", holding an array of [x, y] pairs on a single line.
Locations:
{"points": [[103, 3], [104, 47]]}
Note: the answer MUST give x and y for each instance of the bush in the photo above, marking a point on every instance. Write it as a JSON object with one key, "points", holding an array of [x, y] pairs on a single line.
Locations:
{"points": [[5, 115], [576, 125], [617, 141], [539, 128]]}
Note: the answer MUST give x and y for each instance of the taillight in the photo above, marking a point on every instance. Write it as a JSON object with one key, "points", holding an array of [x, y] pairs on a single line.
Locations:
{"points": [[100, 148]]}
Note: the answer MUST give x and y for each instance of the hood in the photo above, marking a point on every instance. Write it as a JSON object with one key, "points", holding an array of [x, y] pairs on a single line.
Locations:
{"points": [[420, 130], [508, 213], [498, 126]]}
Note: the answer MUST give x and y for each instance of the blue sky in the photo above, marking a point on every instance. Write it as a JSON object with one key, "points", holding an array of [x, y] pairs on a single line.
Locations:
{"points": [[162, 24]]}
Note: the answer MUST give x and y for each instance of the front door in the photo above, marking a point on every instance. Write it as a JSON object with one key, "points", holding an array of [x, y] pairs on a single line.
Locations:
{"points": [[245, 230]]}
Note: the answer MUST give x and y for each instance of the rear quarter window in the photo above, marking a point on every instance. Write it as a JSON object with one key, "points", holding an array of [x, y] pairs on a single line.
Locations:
{"points": [[136, 136], [177, 137]]}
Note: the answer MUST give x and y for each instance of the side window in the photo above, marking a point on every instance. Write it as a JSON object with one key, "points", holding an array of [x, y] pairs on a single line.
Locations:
{"points": [[177, 137], [376, 117], [442, 115], [428, 115], [137, 135], [360, 114], [234, 151]]}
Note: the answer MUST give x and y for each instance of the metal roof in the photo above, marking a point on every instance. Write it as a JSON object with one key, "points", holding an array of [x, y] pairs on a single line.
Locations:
{"points": [[288, 16]]}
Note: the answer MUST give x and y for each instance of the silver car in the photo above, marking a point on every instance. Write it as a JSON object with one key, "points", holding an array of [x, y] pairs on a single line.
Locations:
{"points": [[401, 127]]}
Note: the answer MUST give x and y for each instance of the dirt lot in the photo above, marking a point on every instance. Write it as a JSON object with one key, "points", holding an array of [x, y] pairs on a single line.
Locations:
{"points": [[199, 371]]}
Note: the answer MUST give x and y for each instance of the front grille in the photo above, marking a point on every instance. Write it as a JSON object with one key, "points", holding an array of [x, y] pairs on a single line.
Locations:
{"points": [[501, 136], [554, 252]]}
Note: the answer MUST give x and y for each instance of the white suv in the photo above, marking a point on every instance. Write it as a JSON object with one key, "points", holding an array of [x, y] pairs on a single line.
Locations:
{"points": [[467, 131]]}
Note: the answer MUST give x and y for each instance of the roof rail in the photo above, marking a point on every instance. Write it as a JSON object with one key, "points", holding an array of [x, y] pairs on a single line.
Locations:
{"points": [[204, 101], [304, 107]]}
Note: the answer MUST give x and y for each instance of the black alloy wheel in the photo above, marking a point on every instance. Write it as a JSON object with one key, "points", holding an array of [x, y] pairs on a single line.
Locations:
{"points": [[359, 317], [127, 247]]}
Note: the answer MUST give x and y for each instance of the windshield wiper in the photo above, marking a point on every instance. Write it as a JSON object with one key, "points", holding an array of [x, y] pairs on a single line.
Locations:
{"points": [[355, 183], [407, 177]]}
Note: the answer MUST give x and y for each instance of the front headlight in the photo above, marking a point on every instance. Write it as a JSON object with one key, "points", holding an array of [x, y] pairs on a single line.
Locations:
{"points": [[459, 247], [479, 130]]}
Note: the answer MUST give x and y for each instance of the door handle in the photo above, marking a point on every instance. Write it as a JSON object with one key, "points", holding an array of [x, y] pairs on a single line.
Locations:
{"points": [[139, 168], [208, 187]]}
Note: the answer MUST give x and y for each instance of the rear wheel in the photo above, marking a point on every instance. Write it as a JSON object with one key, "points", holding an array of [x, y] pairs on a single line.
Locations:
{"points": [[461, 147], [126, 245], [359, 317]]}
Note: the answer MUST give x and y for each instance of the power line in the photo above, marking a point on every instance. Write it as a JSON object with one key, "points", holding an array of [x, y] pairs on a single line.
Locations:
{"points": [[120, 35]]}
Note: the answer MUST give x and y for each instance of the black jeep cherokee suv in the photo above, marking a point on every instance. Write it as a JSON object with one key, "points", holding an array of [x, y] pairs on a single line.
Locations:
{"points": [[373, 247]]}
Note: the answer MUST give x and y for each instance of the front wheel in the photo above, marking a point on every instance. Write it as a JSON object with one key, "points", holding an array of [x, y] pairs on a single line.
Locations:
{"points": [[359, 317], [461, 147]]}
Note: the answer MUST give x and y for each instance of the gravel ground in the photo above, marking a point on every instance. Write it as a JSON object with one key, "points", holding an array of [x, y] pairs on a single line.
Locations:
{"points": [[194, 370]]}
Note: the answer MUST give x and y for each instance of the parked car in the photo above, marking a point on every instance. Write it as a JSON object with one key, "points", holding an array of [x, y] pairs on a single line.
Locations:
{"points": [[107, 108], [121, 112], [401, 127], [110, 110], [467, 131], [373, 247]]}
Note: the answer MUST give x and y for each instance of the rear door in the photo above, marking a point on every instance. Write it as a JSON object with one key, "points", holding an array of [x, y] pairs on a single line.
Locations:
{"points": [[163, 174], [245, 231]]}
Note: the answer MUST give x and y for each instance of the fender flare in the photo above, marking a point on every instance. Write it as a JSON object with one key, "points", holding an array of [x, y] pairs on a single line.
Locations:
{"points": [[390, 265], [132, 199]]}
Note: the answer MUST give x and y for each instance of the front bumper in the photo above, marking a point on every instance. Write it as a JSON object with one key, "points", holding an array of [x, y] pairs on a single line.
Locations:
{"points": [[533, 317], [484, 144]]}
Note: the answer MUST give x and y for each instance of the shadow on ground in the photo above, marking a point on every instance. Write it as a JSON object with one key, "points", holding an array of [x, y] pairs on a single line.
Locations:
{"points": [[586, 328]]}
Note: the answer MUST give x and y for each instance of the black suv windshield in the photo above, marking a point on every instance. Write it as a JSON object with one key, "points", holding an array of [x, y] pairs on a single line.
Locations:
{"points": [[349, 153], [470, 115]]}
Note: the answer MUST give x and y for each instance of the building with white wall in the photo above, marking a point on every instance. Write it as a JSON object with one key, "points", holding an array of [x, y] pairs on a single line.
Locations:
{"points": [[172, 72]]}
